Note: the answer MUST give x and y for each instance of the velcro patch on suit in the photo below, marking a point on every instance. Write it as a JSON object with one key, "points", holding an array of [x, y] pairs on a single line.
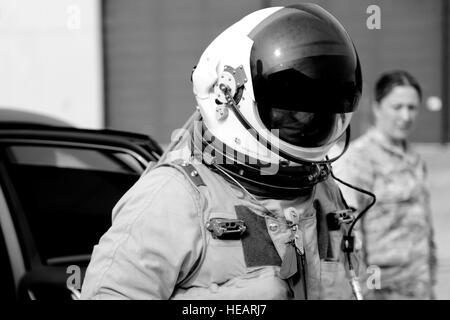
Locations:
{"points": [[258, 247]]}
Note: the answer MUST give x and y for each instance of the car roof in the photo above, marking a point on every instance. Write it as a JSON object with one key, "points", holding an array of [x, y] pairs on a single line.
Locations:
{"points": [[9, 115], [21, 122]]}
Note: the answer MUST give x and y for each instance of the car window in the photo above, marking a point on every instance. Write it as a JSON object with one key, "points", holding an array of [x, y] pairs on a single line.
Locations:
{"points": [[74, 158], [67, 195]]}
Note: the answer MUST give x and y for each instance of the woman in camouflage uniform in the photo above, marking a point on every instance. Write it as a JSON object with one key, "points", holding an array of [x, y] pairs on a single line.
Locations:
{"points": [[397, 232]]}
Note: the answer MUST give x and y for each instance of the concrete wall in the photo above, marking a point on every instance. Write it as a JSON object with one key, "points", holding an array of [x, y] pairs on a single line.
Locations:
{"points": [[50, 59]]}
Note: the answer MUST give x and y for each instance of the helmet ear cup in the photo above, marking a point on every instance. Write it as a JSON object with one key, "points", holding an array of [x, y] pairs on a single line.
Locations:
{"points": [[233, 81], [227, 80]]}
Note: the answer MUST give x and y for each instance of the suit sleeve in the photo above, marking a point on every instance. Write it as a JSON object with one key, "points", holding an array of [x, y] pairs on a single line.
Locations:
{"points": [[154, 241]]}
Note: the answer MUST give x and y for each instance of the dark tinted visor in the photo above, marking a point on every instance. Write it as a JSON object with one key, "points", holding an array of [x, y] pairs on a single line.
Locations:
{"points": [[305, 73], [305, 129], [313, 84], [308, 112]]}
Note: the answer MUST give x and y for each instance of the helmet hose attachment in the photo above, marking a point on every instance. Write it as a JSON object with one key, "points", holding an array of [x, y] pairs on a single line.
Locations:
{"points": [[349, 238]]}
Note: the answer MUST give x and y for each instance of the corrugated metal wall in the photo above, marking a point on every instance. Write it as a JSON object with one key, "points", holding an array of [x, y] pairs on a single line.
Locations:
{"points": [[151, 47], [410, 39]]}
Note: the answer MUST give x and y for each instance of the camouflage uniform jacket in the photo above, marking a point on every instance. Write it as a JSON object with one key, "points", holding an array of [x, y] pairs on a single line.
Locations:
{"points": [[397, 231]]}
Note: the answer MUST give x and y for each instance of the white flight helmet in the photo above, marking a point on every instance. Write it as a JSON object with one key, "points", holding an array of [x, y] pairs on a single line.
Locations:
{"points": [[279, 86]]}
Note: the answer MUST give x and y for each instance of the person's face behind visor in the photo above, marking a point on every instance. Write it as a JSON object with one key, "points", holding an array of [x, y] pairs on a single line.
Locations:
{"points": [[304, 129]]}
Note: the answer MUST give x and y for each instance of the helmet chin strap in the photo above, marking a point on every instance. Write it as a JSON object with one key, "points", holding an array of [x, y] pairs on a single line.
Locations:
{"points": [[232, 105]]}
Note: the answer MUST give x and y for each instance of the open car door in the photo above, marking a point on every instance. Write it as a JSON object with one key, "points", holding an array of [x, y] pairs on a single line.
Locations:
{"points": [[58, 187]]}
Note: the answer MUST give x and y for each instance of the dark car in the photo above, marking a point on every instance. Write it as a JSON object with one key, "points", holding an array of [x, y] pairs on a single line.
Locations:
{"points": [[58, 185]]}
